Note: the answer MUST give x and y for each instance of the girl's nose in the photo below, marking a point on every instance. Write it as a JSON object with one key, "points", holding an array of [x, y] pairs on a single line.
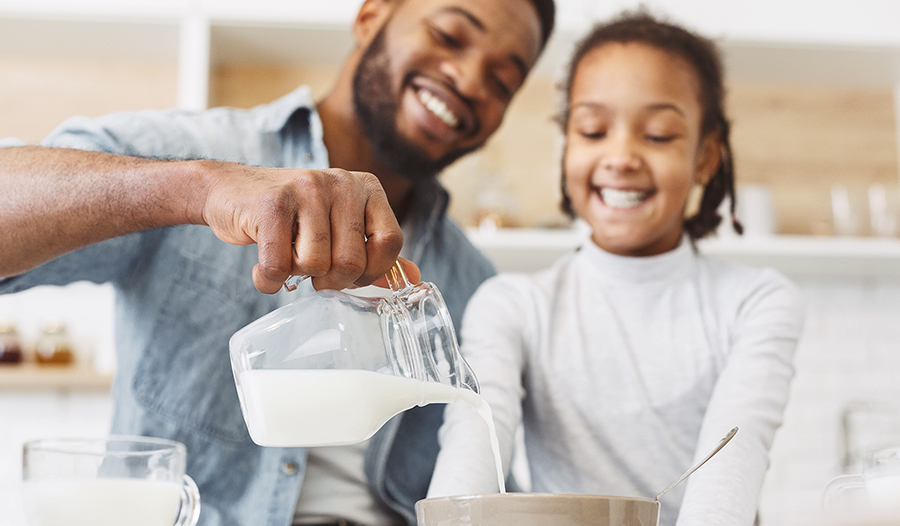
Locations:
{"points": [[620, 155], [468, 72]]}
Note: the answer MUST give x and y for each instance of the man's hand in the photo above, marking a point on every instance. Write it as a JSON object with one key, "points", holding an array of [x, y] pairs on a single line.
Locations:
{"points": [[333, 225]]}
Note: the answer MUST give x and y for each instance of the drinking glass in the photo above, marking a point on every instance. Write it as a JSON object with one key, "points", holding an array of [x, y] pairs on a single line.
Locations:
{"points": [[866, 426], [872, 497], [113, 481]]}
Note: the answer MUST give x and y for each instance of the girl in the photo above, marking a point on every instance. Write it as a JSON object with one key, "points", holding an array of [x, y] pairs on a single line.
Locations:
{"points": [[630, 358]]}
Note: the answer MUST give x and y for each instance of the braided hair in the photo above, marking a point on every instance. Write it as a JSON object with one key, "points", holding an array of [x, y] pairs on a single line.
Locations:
{"points": [[701, 54]]}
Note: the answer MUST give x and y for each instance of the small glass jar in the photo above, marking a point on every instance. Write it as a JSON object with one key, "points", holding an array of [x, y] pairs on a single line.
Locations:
{"points": [[53, 347], [10, 344]]}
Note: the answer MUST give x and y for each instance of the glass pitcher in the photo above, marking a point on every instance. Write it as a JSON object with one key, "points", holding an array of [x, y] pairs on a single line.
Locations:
{"points": [[331, 368]]}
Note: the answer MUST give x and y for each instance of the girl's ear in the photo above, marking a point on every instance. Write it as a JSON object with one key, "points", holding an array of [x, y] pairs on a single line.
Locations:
{"points": [[371, 17], [708, 159]]}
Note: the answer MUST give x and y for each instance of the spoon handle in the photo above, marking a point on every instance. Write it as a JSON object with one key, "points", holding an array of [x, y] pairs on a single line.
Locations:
{"points": [[694, 468]]}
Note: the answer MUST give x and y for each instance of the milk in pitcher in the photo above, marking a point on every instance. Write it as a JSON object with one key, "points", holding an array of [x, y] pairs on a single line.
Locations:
{"points": [[332, 407]]}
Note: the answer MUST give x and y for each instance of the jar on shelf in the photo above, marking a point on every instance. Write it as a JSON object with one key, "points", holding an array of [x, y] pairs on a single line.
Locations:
{"points": [[10, 344], [54, 347]]}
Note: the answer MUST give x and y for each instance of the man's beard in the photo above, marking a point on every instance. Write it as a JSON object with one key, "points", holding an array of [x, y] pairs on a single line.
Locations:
{"points": [[377, 110]]}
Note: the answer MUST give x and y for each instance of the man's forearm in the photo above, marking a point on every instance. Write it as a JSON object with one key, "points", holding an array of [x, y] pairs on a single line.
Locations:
{"points": [[56, 200]]}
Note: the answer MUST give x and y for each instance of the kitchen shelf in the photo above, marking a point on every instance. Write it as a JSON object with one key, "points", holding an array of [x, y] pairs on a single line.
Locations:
{"points": [[839, 257], [527, 250], [33, 377]]}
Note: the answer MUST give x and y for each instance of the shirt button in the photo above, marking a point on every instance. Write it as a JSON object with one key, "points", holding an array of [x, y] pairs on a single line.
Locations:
{"points": [[289, 468], [308, 156]]}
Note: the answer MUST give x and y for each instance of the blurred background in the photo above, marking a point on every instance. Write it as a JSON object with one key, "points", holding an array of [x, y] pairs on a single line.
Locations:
{"points": [[813, 93]]}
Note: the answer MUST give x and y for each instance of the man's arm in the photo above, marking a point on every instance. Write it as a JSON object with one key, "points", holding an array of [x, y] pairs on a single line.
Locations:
{"points": [[331, 224]]}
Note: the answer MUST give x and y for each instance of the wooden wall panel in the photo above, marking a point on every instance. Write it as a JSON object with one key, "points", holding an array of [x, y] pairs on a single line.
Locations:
{"points": [[518, 169], [797, 140], [36, 94], [247, 85], [802, 140]]}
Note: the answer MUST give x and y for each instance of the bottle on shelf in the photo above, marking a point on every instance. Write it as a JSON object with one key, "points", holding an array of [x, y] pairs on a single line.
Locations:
{"points": [[53, 346], [10, 344]]}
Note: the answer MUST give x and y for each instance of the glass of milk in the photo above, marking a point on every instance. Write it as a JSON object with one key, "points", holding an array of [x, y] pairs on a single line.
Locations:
{"points": [[138, 481], [331, 368], [873, 495]]}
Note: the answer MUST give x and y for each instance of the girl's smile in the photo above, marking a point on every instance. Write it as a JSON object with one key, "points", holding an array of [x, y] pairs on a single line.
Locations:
{"points": [[622, 198], [634, 147]]}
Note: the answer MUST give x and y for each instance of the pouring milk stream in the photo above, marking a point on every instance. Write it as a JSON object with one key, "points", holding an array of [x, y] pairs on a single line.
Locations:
{"points": [[331, 368]]}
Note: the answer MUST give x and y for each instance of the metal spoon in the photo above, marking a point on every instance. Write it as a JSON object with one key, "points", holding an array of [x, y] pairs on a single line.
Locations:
{"points": [[694, 468]]}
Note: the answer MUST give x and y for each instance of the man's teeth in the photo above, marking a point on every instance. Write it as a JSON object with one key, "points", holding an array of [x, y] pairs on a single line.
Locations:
{"points": [[622, 198], [437, 106]]}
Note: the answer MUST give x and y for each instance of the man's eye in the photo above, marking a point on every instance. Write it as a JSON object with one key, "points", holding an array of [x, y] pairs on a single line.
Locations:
{"points": [[445, 38], [503, 88]]}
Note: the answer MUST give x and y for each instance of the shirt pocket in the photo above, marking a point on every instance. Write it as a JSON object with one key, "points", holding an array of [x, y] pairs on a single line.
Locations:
{"points": [[184, 375]]}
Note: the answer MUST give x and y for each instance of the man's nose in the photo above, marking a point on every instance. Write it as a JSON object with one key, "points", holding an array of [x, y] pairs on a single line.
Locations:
{"points": [[469, 74]]}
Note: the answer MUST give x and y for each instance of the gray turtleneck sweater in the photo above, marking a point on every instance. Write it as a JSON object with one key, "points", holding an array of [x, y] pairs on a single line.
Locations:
{"points": [[623, 372]]}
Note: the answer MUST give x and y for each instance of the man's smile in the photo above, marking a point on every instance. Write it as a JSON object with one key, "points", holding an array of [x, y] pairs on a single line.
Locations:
{"points": [[444, 114], [438, 107]]}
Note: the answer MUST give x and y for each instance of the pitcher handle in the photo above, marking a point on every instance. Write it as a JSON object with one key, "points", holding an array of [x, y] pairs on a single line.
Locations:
{"points": [[839, 485], [396, 278], [190, 504]]}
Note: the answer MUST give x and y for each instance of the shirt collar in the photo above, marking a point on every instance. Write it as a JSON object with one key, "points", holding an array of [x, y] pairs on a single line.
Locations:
{"points": [[281, 110], [429, 206], [662, 268]]}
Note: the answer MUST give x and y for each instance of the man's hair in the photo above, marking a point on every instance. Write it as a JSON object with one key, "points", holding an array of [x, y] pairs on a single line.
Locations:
{"points": [[546, 11], [703, 57]]}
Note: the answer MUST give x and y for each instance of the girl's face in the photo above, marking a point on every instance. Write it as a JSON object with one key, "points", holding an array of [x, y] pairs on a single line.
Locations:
{"points": [[633, 147]]}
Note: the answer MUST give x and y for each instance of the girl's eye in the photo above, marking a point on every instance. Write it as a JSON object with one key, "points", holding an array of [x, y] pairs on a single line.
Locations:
{"points": [[592, 134], [660, 138]]}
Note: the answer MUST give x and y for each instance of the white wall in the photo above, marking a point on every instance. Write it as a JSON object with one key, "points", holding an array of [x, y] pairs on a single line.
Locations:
{"points": [[849, 351], [41, 414], [87, 311]]}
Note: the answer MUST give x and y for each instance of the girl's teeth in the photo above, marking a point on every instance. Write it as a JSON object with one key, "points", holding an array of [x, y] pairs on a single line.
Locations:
{"points": [[437, 107], [622, 198]]}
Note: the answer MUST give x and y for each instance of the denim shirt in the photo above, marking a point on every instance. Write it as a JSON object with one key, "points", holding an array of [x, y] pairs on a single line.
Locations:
{"points": [[181, 293]]}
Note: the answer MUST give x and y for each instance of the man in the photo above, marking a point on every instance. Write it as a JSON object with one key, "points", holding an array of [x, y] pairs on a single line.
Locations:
{"points": [[428, 82]]}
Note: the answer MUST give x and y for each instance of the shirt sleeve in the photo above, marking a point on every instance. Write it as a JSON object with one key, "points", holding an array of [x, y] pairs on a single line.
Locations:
{"points": [[493, 345], [156, 134], [750, 393], [10, 141]]}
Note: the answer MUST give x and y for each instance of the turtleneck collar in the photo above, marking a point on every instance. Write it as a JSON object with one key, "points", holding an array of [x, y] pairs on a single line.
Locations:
{"points": [[666, 267]]}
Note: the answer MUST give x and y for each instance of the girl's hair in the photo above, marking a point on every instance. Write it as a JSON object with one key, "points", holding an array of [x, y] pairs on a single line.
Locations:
{"points": [[702, 55]]}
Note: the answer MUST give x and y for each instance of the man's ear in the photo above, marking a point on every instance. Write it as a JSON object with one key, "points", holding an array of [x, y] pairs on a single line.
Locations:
{"points": [[708, 158], [371, 17]]}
